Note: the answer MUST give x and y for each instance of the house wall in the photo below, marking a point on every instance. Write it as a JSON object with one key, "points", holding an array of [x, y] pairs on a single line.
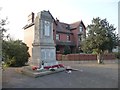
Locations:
{"points": [[54, 32], [75, 36], [63, 37], [29, 37], [72, 37]]}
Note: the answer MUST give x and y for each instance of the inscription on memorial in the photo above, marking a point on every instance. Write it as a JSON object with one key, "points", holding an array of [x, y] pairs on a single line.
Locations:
{"points": [[47, 54]]}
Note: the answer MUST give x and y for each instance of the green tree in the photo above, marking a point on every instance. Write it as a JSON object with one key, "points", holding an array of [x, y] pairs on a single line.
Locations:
{"points": [[15, 53], [101, 37], [3, 30], [3, 23]]}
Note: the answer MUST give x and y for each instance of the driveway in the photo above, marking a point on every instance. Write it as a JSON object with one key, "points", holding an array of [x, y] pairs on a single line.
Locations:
{"points": [[90, 75]]}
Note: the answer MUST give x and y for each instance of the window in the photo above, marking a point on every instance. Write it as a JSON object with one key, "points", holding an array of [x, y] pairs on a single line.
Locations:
{"points": [[47, 28], [80, 38], [57, 37], [83, 38], [68, 37], [68, 27], [81, 28]]}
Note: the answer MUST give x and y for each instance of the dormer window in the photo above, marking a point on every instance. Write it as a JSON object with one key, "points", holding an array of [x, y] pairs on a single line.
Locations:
{"points": [[80, 28], [68, 27]]}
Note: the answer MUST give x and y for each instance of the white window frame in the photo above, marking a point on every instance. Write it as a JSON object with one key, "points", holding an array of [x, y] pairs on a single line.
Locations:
{"points": [[80, 28], [68, 37], [80, 37], [57, 37]]}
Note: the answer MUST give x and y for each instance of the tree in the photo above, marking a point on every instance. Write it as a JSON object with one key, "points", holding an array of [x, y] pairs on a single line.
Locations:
{"points": [[3, 22], [101, 37], [15, 53]]}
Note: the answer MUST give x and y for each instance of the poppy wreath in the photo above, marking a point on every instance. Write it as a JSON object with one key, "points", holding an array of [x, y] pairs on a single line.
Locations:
{"points": [[54, 66], [34, 67], [61, 65]]}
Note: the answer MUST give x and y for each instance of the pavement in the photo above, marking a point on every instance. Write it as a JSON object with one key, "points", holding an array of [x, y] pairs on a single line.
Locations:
{"points": [[27, 70], [90, 75]]}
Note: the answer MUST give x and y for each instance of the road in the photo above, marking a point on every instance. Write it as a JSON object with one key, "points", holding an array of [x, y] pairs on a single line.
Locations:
{"points": [[91, 75]]}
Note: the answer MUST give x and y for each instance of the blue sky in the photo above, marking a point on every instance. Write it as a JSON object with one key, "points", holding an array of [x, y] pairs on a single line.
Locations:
{"points": [[68, 11]]}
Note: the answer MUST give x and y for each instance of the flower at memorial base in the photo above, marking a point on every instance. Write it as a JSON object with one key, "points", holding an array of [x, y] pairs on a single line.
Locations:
{"points": [[47, 67], [34, 68], [61, 65], [55, 66]]}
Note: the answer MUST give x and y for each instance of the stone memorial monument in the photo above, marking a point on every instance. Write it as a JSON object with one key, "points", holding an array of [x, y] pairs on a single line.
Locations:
{"points": [[43, 45]]}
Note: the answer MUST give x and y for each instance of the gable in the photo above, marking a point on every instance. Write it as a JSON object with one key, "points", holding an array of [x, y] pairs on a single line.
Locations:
{"points": [[83, 24]]}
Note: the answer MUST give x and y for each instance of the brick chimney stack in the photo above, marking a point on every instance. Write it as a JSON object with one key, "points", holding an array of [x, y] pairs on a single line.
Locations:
{"points": [[31, 18]]}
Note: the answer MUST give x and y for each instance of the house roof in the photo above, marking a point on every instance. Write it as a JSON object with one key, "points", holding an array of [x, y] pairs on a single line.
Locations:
{"points": [[27, 26], [83, 24], [66, 28], [76, 24], [63, 27]]}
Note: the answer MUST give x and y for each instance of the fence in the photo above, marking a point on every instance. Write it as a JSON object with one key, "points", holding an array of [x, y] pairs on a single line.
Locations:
{"points": [[83, 57]]}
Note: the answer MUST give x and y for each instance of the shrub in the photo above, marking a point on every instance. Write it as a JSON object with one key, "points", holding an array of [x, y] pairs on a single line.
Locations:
{"points": [[67, 50], [15, 53], [117, 55]]}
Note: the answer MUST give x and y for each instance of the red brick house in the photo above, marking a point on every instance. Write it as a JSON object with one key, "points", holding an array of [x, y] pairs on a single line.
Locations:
{"points": [[69, 35], [64, 34]]}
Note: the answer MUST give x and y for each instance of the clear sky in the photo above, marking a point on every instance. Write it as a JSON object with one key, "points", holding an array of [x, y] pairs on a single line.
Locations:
{"points": [[67, 11]]}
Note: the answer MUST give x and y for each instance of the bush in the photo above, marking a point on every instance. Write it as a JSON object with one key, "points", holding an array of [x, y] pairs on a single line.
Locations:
{"points": [[15, 53], [67, 50], [117, 55]]}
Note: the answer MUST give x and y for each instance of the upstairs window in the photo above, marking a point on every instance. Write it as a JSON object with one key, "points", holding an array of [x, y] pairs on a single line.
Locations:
{"points": [[68, 37], [57, 37], [80, 37], [68, 27], [80, 28]]}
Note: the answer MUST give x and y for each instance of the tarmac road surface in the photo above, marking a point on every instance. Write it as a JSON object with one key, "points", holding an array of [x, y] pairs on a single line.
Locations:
{"points": [[90, 75]]}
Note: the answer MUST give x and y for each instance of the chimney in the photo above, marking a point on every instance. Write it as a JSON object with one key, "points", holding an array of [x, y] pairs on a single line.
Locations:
{"points": [[31, 18], [57, 20]]}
